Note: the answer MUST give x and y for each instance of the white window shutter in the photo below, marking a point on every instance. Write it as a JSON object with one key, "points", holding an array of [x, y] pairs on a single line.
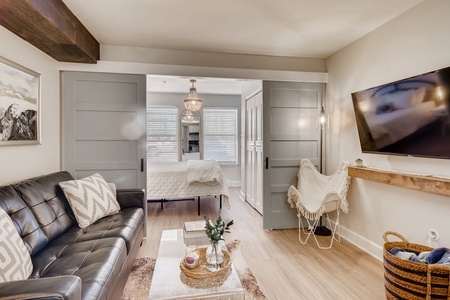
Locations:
{"points": [[220, 134], [162, 137]]}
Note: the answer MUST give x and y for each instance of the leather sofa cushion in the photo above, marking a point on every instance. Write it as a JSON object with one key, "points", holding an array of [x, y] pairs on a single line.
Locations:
{"points": [[123, 224], [26, 224], [98, 263], [47, 202]]}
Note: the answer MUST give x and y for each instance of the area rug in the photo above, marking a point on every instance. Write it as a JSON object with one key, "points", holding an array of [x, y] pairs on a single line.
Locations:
{"points": [[138, 284], [248, 280]]}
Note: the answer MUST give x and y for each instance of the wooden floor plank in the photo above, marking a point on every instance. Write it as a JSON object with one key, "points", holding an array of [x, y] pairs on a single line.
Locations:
{"points": [[284, 268]]}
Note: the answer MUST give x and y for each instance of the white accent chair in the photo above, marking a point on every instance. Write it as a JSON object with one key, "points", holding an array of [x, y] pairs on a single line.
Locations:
{"points": [[317, 194]]}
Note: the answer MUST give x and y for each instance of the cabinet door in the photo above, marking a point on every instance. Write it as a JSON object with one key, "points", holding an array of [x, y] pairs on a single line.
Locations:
{"points": [[258, 153], [250, 153], [254, 159]]}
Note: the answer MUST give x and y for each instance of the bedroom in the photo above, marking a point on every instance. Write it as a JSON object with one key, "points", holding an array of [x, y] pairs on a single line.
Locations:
{"points": [[413, 43]]}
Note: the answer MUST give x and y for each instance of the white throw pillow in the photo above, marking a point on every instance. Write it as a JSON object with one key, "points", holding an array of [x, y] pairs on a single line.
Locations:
{"points": [[15, 260], [90, 198]]}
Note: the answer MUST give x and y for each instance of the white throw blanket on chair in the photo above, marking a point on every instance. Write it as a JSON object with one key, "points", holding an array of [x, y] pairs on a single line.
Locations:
{"points": [[314, 190]]}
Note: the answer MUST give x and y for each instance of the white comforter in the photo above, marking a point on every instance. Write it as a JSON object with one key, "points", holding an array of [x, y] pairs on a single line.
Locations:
{"points": [[203, 172], [390, 127], [166, 180]]}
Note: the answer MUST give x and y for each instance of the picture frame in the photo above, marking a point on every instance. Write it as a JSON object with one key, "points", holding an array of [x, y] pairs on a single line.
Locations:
{"points": [[20, 121]]}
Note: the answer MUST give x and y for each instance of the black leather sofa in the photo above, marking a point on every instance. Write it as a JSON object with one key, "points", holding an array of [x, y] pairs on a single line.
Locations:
{"points": [[69, 262]]}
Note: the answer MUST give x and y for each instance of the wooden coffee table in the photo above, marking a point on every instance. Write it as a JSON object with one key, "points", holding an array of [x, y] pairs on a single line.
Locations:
{"points": [[169, 283]]}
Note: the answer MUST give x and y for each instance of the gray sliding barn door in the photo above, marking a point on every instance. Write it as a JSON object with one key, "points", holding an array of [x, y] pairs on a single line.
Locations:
{"points": [[291, 130], [104, 127]]}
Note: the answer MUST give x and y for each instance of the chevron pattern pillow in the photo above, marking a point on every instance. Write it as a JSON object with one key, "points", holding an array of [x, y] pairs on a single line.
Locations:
{"points": [[15, 260], [90, 198]]}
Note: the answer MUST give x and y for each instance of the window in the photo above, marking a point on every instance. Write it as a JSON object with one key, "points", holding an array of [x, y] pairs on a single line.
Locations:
{"points": [[220, 138], [162, 138]]}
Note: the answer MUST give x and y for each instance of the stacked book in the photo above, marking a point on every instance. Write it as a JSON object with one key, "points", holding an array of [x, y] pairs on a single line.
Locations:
{"points": [[194, 233]]}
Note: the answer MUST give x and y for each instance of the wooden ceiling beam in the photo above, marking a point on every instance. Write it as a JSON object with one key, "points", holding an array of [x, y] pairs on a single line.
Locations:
{"points": [[50, 26]]}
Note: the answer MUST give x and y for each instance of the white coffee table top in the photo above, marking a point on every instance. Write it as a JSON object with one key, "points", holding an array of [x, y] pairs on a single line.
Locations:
{"points": [[167, 277]]}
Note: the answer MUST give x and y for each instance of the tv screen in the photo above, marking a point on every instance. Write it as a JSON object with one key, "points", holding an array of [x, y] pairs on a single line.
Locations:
{"points": [[407, 117]]}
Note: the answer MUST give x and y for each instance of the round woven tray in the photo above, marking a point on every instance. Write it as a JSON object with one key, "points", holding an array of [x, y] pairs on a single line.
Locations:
{"points": [[201, 272]]}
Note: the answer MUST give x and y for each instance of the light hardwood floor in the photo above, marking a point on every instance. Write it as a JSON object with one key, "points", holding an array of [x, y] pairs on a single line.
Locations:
{"points": [[284, 268]]}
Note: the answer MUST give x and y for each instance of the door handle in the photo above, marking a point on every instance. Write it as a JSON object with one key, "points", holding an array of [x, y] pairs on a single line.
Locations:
{"points": [[142, 165], [267, 163]]}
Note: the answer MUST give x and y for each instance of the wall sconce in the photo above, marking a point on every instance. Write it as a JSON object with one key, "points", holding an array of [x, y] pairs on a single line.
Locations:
{"points": [[322, 118], [193, 103], [364, 106], [440, 93]]}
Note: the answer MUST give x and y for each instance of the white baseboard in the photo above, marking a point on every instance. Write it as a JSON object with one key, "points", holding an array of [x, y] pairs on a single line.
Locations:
{"points": [[361, 242], [236, 183], [242, 195]]}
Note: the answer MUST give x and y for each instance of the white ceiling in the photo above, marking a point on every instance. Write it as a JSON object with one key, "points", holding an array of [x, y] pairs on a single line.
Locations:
{"points": [[294, 28], [175, 84]]}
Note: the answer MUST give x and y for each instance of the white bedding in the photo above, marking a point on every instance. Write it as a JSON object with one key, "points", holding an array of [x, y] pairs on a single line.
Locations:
{"points": [[168, 180], [203, 172], [387, 128], [190, 156]]}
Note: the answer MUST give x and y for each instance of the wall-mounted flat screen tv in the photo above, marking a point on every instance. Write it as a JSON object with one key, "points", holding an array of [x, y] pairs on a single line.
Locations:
{"points": [[407, 117]]}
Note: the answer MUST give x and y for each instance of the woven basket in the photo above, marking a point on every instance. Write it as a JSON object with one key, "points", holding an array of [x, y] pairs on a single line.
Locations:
{"points": [[201, 272], [404, 279]]}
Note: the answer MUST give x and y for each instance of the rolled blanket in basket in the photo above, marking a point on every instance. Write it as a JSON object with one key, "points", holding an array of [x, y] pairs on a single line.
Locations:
{"points": [[400, 253], [437, 256]]}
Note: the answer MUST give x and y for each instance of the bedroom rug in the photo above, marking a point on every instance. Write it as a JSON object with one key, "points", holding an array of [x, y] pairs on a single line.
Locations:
{"points": [[138, 284]]}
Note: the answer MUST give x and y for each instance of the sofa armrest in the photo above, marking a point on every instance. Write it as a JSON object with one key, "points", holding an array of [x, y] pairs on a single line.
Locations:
{"points": [[59, 287], [131, 198]]}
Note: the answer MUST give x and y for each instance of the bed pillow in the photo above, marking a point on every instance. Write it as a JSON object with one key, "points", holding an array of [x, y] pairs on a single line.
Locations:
{"points": [[377, 101], [419, 95], [90, 198], [384, 108], [402, 99], [15, 260]]}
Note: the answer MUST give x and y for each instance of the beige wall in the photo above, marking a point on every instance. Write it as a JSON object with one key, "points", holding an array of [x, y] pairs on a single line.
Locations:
{"points": [[20, 162], [414, 43]]}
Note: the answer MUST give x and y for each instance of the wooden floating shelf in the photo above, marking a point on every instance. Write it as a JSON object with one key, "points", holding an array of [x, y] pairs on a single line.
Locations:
{"points": [[429, 184]]}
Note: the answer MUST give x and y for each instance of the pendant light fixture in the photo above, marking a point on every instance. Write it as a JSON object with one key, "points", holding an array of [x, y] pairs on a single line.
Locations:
{"points": [[322, 117], [193, 103], [190, 117]]}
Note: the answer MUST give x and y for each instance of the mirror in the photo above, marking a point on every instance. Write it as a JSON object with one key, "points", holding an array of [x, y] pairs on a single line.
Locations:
{"points": [[190, 135]]}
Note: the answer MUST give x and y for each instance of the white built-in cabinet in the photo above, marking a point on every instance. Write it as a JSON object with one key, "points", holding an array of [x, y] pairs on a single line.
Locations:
{"points": [[254, 153]]}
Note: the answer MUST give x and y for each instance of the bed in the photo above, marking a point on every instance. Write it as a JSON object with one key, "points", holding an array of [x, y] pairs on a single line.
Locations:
{"points": [[390, 127], [169, 181], [399, 110]]}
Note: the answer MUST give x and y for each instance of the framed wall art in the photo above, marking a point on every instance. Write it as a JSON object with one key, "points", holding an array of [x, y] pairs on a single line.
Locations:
{"points": [[19, 104]]}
